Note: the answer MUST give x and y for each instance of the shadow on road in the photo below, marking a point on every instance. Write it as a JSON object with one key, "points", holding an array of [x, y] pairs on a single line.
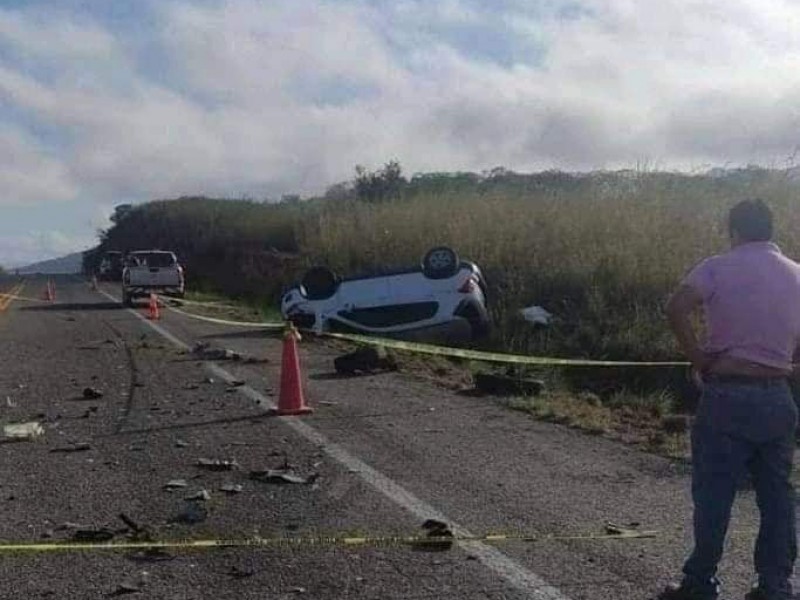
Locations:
{"points": [[75, 306]]}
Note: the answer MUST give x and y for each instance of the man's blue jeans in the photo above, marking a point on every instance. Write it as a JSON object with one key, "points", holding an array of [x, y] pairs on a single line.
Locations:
{"points": [[744, 426]]}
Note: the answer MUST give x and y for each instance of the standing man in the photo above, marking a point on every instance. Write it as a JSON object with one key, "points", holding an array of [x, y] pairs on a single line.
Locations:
{"points": [[746, 418]]}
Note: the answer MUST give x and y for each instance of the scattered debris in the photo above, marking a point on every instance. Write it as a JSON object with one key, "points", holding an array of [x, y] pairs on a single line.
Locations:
{"points": [[202, 496], [126, 587], [232, 488], [91, 393], [93, 535], [622, 530], [440, 536], [217, 464], [69, 525], [298, 590], [17, 432], [89, 412], [181, 444], [206, 351], [536, 315], [366, 360], [238, 383], [508, 385], [130, 523], [282, 476], [175, 484], [82, 447], [191, 386]]}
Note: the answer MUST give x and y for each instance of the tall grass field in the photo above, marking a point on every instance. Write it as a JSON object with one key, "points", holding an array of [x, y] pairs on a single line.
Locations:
{"points": [[601, 252]]}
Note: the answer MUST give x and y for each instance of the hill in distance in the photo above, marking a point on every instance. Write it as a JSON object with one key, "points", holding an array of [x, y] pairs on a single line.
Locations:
{"points": [[69, 264]]}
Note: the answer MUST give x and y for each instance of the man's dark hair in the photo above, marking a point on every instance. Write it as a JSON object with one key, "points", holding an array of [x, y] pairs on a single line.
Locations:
{"points": [[751, 220]]}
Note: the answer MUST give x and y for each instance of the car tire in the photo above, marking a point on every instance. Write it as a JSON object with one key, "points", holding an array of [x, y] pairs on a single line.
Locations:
{"points": [[320, 283], [440, 263]]}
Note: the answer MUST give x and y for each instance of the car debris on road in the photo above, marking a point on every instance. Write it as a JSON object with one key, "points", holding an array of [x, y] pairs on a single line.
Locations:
{"points": [[16, 432], [366, 360], [217, 464]]}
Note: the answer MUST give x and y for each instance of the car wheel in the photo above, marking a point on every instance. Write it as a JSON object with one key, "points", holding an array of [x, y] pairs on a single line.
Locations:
{"points": [[440, 263], [320, 283]]}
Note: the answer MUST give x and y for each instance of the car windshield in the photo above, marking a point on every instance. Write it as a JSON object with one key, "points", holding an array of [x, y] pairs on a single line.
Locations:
{"points": [[151, 259]]}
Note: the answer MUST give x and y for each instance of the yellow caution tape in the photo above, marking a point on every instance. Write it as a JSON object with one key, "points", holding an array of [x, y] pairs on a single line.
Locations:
{"points": [[499, 357], [263, 325], [318, 541], [431, 349]]}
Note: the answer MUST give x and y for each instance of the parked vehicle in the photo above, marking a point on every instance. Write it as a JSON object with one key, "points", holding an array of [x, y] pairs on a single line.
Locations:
{"points": [[443, 292], [150, 271], [111, 266]]}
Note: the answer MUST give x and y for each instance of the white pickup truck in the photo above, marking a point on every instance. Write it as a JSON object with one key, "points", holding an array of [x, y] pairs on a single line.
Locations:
{"points": [[149, 271]]}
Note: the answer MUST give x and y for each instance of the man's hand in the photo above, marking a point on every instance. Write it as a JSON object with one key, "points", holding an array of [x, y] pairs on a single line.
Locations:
{"points": [[702, 362]]}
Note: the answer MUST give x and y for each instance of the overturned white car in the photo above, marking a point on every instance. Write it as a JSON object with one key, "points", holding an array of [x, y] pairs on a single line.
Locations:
{"points": [[440, 294]]}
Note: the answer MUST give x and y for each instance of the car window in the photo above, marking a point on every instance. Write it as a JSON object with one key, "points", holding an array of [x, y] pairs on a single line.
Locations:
{"points": [[151, 259]]}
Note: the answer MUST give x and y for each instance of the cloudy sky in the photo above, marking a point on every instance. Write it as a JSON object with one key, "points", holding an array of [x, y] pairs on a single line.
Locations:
{"points": [[104, 102]]}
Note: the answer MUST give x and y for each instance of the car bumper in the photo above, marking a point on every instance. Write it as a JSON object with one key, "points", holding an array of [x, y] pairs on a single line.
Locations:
{"points": [[146, 290]]}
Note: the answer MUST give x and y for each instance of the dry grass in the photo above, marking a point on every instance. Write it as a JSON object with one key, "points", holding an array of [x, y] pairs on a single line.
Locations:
{"points": [[643, 421], [602, 258]]}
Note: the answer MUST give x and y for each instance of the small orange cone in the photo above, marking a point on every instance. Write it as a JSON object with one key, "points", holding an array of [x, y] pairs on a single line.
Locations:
{"points": [[153, 312], [291, 401]]}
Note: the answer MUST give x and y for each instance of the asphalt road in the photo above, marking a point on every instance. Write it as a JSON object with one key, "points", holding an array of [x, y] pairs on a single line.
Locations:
{"points": [[386, 451]]}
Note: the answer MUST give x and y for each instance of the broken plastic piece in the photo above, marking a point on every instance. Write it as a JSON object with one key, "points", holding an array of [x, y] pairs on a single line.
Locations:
{"points": [[22, 431]]}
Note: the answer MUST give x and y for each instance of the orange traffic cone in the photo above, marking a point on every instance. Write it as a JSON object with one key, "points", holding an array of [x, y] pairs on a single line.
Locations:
{"points": [[152, 310], [291, 401]]}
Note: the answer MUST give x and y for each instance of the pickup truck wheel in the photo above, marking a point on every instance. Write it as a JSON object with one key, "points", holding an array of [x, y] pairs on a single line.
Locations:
{"points": [[440, 263]]}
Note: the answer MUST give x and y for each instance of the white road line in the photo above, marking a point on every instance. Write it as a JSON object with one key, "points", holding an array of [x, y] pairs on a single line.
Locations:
{"points": [[518, 576]]}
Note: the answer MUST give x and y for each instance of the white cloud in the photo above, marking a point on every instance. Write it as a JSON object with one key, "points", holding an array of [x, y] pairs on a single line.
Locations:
{"points": [[28, 173], [24, 249], [247, 97]]}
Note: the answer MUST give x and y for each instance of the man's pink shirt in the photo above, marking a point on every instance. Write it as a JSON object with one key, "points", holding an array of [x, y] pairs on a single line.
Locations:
{"points": [[751, 296]]}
